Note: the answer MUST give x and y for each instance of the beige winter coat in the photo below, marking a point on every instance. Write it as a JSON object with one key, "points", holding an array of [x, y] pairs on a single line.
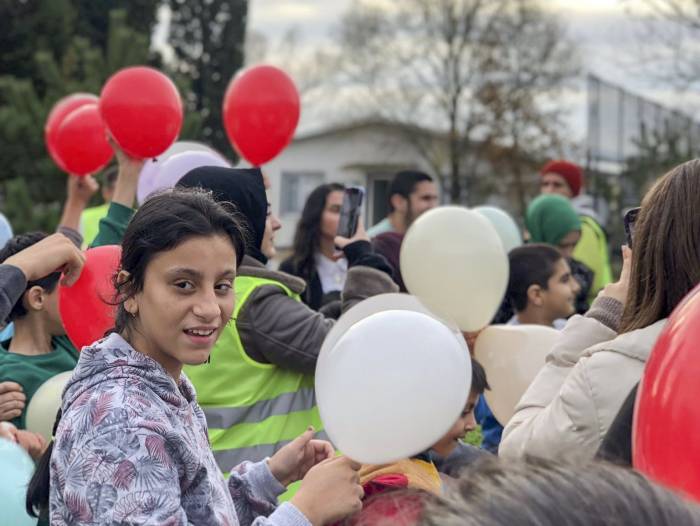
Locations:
{"points": [[570, 405]]}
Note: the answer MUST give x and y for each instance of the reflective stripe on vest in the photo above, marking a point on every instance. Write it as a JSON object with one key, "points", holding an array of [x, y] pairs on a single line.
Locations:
{"points": [[222, 417], [252, 408]]}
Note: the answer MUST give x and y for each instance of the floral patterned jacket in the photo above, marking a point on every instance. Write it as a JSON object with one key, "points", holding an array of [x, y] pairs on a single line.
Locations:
{"points": [[132, 448]]}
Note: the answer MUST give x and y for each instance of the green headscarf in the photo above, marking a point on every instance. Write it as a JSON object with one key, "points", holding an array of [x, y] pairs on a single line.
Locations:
{"points": [[550, 218]]}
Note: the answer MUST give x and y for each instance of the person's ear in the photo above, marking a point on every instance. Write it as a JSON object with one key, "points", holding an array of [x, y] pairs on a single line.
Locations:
{"points": [[535, 295], [130, 304], [34, 299], [399, 203]]}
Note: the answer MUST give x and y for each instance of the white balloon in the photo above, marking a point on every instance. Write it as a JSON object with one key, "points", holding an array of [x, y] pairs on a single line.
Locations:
{"points": [[504, 224], [453, 260], [41, 412], [512, 355], [392, 386], [373, 305]]}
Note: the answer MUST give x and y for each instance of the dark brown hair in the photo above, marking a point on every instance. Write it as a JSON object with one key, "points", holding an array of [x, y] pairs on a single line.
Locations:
{"points": [[666, 253], [48, 283], [531, 264], [307, 238]]}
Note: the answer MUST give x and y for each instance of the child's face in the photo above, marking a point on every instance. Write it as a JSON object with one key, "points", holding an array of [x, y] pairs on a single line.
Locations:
{"points": [[559, 298], [461, 427], [272, 225], [186, 301]]}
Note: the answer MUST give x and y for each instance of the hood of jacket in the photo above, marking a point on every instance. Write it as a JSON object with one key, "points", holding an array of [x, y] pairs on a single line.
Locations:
{"points": [[113, 359], [245, 188]]}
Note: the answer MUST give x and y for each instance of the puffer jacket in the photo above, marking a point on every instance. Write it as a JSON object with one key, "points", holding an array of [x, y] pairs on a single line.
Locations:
{"points": [[277, 329], [132, 448], [569, 407]]}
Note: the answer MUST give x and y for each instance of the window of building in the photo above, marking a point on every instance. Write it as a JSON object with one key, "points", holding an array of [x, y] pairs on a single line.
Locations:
{"points": [[295, 188]]}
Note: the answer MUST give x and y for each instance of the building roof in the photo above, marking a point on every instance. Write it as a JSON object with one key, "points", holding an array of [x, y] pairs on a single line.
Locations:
{"points": [[368, 122]]}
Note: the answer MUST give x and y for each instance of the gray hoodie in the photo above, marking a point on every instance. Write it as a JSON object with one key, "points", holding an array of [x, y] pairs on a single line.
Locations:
{"points": [[132, 448]]}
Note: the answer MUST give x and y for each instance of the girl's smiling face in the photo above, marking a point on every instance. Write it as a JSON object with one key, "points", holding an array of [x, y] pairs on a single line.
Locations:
{"points": [[186, 300]]}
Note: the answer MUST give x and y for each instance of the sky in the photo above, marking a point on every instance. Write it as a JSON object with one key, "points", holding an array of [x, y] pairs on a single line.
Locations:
{"points": [[607, 36], [602, 29]]}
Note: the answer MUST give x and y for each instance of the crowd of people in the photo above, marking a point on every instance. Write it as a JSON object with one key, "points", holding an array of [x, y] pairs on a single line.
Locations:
{"points": [[198, 407]]}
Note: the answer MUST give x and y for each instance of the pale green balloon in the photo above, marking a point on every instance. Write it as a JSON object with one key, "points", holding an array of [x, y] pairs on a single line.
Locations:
{"points": [[17, 470], [504, 224]]}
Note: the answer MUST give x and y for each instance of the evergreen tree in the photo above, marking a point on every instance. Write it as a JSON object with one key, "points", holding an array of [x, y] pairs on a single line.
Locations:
{"points": [[25, 103], [208, 38]]}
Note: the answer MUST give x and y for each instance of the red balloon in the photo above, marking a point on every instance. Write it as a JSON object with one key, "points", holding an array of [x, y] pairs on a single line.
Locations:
{"points": [[261, 112], [81, 141], [85, 307], [667, 415], [142, 110], [59, 112]]}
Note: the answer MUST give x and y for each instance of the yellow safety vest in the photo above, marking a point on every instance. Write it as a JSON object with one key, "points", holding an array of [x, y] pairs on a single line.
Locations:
{"points": [[90, 222], [592, 250], [252, 408]]}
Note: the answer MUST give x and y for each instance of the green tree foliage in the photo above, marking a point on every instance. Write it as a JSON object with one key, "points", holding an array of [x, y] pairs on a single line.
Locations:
{"points": [[25, 104], [26, 26], [208, 39], [658, 153], [44, 69], [92, 18], [25, 213], [475, 71]]}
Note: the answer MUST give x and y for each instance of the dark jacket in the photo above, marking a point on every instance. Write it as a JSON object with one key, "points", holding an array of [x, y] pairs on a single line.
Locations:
{"points": [[388, 245], [617, 443], [275, 328], [313, 294], [463, 456], [584, 276]]}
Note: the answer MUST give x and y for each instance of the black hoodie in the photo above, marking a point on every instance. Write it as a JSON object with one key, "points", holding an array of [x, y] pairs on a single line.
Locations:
{"points": [[244, 188]]}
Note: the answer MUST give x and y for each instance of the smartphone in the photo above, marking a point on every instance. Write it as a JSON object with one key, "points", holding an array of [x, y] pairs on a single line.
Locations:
{"points": [[630, 220], [350, 211]]}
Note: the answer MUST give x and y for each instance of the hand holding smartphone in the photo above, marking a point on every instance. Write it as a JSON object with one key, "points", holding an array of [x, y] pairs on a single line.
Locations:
{"points": [[350, 211]]}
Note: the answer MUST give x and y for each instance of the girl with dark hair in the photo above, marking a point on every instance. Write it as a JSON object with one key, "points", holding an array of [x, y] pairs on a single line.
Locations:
{"points": [[601, 356], [315, 258], [257, 392], [130, 441]]}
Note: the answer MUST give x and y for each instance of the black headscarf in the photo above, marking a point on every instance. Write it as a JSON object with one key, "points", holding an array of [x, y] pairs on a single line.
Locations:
{"points": [[244, 188]]}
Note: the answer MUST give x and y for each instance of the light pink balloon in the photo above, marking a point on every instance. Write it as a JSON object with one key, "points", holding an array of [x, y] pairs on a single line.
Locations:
{"points": [[177, 166], [149, 180]]}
